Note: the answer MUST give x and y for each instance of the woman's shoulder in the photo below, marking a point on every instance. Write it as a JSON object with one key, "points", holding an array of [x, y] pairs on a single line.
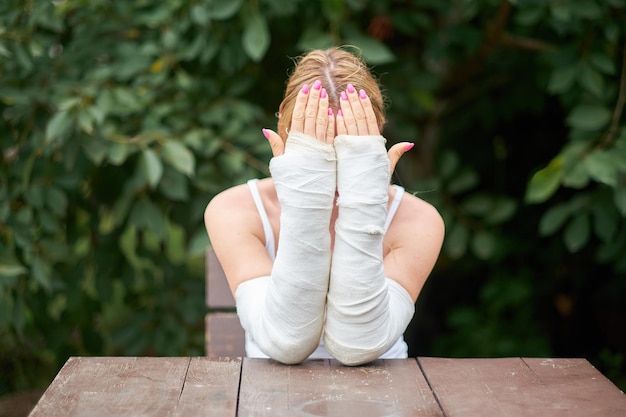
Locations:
{"points": [[235, 202], [416, 213]]}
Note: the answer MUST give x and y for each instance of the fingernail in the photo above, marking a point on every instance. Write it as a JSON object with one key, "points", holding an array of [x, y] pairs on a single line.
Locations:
{"points": [[339, 113], [305, 89], [330, 112], [344, 96], [351, 89], [363, 94], [266, 133], [317, 84], [323, 93], [409, 147]]}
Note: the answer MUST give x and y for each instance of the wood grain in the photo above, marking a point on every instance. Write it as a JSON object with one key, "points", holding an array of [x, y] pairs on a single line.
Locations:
{"points": [[575, 385], [224, 335], [210, 389], [114, 387], [323, 387], [508, 387]]}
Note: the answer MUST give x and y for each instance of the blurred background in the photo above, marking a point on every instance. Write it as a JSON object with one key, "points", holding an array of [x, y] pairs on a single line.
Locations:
{"points": [[121, 119]]}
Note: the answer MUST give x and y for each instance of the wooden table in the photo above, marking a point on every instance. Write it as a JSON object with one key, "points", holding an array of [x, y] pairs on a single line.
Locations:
{"points": [[146, 386]]}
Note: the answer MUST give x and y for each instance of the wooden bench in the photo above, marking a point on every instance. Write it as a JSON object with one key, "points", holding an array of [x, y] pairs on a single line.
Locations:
{"points": [[224, 336]]}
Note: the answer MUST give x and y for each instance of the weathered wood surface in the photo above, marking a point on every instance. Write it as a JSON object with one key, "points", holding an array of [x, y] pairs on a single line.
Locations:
{"points": [[399, 387], [323, 387], [144, 386], [522, 387]]}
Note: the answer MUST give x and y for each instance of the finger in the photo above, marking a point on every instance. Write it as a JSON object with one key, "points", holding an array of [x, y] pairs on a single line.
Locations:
{"points": [[321, 129], [340, 123], [348, 116], [357, 110], [330, 129], [275, 141], [396, 151], [310, 114], [297, 119], [370, 116]]}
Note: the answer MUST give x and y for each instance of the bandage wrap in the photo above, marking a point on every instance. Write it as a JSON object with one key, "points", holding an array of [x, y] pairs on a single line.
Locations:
{"points": [[284, 313], [366, 312]]}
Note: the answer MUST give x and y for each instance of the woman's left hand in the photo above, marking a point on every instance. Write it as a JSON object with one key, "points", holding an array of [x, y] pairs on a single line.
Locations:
{"points": [[357, 118]]}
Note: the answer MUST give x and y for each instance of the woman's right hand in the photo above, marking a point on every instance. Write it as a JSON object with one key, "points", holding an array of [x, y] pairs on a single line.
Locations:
{"points": [[311, 116]]}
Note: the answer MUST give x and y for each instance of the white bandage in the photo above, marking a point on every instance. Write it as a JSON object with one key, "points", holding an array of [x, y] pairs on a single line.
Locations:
{"points": [[366, 312], [284, 313]]}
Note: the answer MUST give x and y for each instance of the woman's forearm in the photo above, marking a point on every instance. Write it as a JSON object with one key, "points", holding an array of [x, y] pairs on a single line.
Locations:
{"points": [[285, 312], [366, 312]]}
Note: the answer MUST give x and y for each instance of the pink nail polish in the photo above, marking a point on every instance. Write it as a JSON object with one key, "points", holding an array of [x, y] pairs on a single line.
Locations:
{"points": [[323, 93], [305, 89], [344, 96], [317, 84], [363, 94], [266, 133], [339, 113], [351, 89], [408, 147], [330, 112]]}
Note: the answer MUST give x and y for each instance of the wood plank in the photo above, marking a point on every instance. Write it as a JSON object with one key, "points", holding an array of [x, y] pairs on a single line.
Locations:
{"points": [[120, 386], [218, 294], [322, 387], [210, 389], [579, 387], [224, 336], [499, 387]]}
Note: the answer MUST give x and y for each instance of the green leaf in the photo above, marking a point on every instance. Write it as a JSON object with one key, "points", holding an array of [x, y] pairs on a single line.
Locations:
{"points": [[544, 183], [592, 81], [58, 126], [118, 152], [553, 219], [372, 50], [577, 233], [605, 221], [456, 242], [315, 39], [151, 167], [256, 38], [179, 157], [502, 210], [619, 196], [483, 245], [56, 201], [562, 79], [223, 9], [147, 215], [477, 204], [602, 167], [589, 117], [11, 268], [603, 63], [464, 181], [41, 273]]}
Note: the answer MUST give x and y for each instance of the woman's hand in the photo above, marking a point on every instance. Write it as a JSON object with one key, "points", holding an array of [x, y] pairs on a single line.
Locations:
{"points": [[311, 116], [357, 118]]}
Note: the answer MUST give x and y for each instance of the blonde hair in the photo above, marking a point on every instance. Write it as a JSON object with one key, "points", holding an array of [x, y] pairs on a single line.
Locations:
{"points": [[335, 68]]}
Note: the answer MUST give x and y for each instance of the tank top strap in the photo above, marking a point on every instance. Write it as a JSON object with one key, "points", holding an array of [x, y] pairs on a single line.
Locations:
{"points": [[270, 245], [393, 207]]}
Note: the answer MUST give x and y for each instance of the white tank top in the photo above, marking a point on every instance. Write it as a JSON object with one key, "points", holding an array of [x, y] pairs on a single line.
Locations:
{"points": [[399, 350]]}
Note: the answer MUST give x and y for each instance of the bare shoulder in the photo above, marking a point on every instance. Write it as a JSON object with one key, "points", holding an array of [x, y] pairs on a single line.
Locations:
{"points": [[417, 213], [235, 230], [413, 243]]}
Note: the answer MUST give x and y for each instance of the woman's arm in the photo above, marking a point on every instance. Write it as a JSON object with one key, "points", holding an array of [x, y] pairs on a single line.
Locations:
{"points": [[284, 311], [366, 311]]}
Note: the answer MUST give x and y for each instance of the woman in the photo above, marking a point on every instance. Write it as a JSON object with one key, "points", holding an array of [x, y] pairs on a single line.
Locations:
{"points": [[325, 258]]}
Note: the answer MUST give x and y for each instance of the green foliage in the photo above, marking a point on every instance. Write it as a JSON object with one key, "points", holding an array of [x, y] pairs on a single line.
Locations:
{"points": [[120, 120]]}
